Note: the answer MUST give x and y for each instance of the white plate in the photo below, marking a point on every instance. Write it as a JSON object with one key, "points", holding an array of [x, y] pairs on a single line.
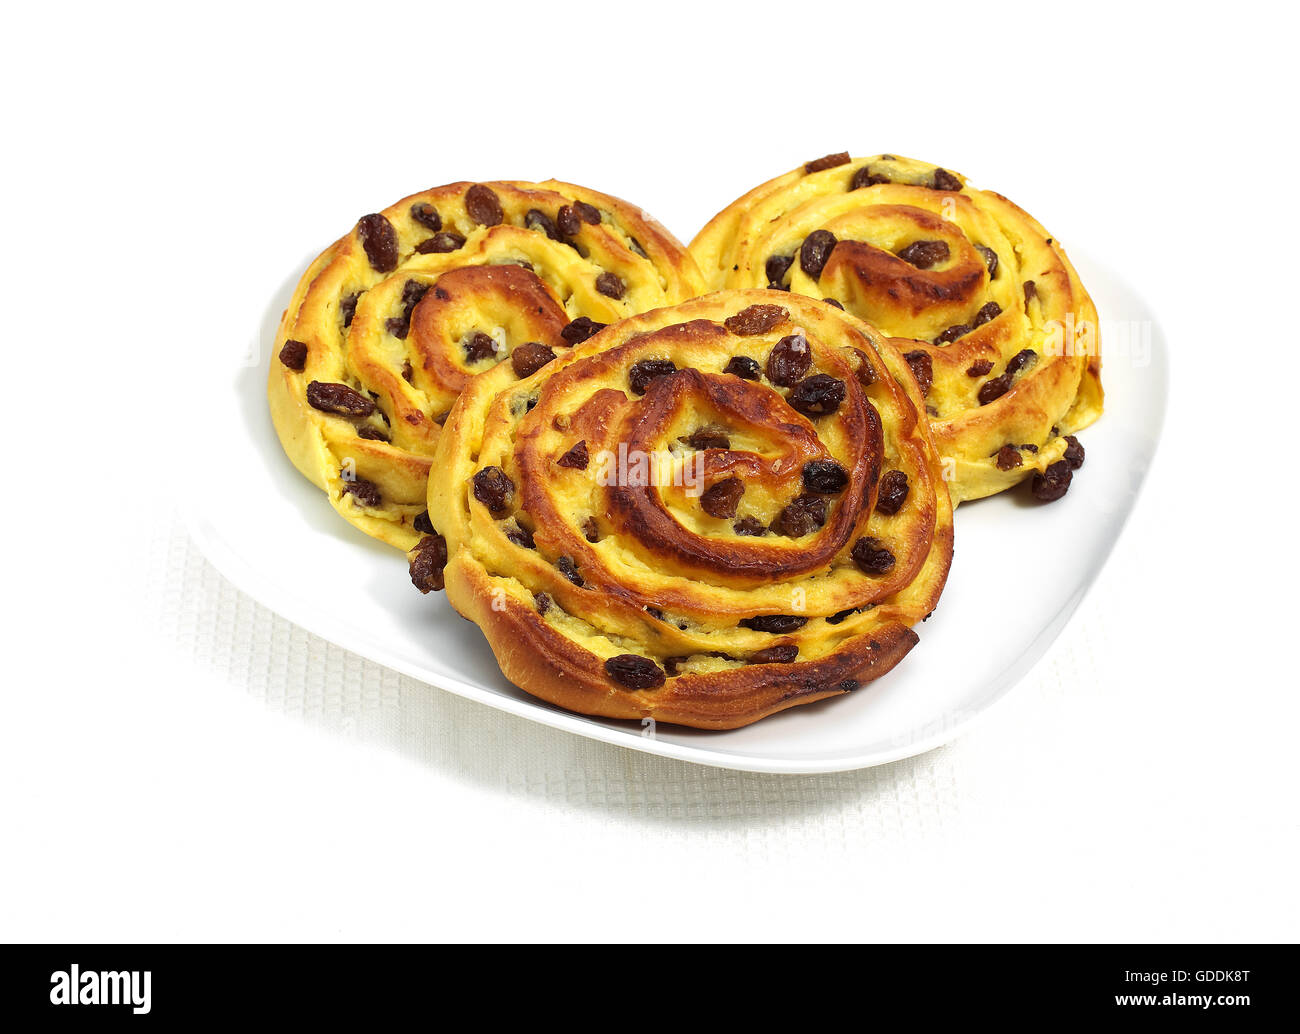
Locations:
{"points": [[280, 541]]}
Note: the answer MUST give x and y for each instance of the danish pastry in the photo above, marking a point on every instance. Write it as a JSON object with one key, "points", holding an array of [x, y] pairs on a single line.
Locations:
{"points": [[702, 515], [985, 305], [390, 322]]}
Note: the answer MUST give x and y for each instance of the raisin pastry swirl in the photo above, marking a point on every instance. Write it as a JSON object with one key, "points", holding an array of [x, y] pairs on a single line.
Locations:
{"points": [[983, 302], [705, 514], [390, 322]]}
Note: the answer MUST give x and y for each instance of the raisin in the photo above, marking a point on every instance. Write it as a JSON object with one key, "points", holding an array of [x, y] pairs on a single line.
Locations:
{"points": [[426, 215], [635, 245], [535, 219], [864, 177], [990, 260], [294, 355], [530, 357], [924, 254], [871, 556], [835, 302], [483, 205], [923, 369], [749, 526], [826, 477], [722, 499], [521, 536], [610, 285], [338, 398], [542, 601], [635, 672], [1074, 453], [756, 319], [829, 162], [348, 308], [478, 346], [441, 243], [839, 616], [423, 525], [567, 221], [1025, 357], [412, 292], [789, 360], [866, 373], [892, 494], [777, 624], [994, 388], [777, 266], [1008, 458], [408, 374], [494, 489], [783, 654], [364, 492], [580, 329], [1031, 292], [950, 335], [569, 569], [372, 434], [803, 516], [645, 370], [945, 180], [815, 250], [1052, 483], [587, 213], [988, 313], [379, 240], [591, 530], [576, 458], [818, 395], [428, 562], [743, 367], [979, 368], [709, 437]]}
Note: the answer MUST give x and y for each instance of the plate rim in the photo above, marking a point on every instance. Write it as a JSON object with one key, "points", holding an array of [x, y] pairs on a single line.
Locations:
{"points": [[299, 611]]}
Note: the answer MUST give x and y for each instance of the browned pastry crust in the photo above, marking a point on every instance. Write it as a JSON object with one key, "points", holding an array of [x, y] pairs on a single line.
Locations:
{"points": [[633, 591], [394, 318], [981, 298]]}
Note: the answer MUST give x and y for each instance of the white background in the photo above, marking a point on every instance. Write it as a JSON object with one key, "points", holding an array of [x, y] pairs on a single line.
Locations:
{"points": [[177, 763]]}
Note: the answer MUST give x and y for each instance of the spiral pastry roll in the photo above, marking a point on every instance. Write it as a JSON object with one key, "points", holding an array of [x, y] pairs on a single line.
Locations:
{"points": [[981, 301], [703, 515], [389, 324]]}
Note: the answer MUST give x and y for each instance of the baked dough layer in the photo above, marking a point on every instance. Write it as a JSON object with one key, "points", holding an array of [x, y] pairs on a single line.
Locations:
{"points": [[573, 554], [418, 298], [967, 283]]}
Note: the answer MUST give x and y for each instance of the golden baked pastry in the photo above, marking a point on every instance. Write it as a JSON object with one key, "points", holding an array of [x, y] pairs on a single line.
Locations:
{"points": [[390, 322], [981, 299], [703, 515]]}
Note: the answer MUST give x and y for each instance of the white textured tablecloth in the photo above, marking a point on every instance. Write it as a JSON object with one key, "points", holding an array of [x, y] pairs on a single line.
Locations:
{"points": [[1087, 805]]}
